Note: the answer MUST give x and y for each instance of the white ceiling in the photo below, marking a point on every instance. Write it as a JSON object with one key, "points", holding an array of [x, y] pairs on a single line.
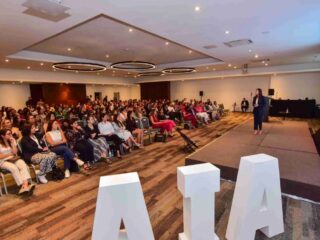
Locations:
{"points": [[286, 31]]}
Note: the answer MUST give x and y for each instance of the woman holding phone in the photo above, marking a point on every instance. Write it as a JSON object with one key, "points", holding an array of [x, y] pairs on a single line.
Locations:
{"points": [[258, 108]]}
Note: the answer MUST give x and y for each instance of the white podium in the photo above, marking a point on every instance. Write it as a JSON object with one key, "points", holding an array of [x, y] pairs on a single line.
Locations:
{"points": [[198, 183], [121, 197], [257, 202]]}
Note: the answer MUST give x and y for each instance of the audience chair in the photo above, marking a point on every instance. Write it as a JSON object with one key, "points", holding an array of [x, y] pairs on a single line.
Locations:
{"points": [[147, 130]]}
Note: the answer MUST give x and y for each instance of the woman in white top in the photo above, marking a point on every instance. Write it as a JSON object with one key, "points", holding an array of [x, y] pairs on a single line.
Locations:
{"points": [[11, 162], [121, 131], [58, 144]]}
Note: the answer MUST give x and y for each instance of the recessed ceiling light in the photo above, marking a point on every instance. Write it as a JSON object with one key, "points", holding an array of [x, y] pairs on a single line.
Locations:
{"points": [[263, 61], [229, 65], [250, 50], [113, 71], [256, 56], [167, 43], [69, 49], [207, 67], [190, 51], [41, 64], [266, 64], [28, 67], [235, 67], [69, 66], [227, 32], [77, 71], [7, 60], [197, 8], [130, 30], [107, 55]]}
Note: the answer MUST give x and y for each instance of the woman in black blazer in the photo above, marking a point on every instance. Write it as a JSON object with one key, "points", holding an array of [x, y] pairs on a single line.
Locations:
{"points": [[258, 104], [33, 152]]}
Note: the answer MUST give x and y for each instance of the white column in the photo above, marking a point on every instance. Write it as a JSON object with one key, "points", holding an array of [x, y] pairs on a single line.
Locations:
{"points": [[257, 200], [198, 183], [121, 197]]}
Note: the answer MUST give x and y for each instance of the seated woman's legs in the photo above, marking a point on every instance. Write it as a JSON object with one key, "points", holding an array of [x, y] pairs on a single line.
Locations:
{"points": [[46, 162], [86, 151]]}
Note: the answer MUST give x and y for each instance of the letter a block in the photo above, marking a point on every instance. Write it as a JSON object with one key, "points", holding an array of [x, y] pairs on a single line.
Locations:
{"points": [[198, 183], [257, 200], [121, 197]]}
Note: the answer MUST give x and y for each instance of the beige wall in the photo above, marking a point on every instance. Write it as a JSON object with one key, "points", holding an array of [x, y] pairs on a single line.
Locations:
{"points": [[226, 91], [14, 95], [126, 92], [297, 86]]}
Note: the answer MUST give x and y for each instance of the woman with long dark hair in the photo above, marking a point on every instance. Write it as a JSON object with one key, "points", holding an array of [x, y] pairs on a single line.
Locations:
{"points": [[10, 161], [258, 108]]}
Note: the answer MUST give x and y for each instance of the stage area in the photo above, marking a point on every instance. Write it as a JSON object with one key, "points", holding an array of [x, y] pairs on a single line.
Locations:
{"points": [[290, 141]]}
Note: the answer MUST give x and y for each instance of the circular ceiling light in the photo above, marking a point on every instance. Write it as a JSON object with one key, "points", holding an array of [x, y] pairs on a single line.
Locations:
{"points": [[133, 65], [150, 74], [177, 70], [79, 66]]}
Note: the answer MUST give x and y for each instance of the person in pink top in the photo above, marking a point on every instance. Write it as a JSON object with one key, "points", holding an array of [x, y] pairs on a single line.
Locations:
{"points": [[165, 125]]}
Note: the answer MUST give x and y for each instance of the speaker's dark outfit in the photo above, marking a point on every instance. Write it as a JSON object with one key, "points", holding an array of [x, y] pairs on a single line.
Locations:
{"points": [[258, 111]]}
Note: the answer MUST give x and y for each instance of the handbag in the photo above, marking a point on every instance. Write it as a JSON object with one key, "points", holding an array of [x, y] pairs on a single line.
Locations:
{"points": [[57, 174]]}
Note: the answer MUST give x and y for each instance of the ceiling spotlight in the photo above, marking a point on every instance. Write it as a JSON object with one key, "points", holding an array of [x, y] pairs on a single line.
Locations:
{"points": [[28, 67], [190, 51], [229, 65], [235, 67], [7, 60], [130, 30], [263, 61], [69, 49], [256, 56], [227, 32], [41, 64], [107, 55], [250, 50], [266, 64], [197, 8], [167, 43], [77, 71], [113, 71], [207, 67]]}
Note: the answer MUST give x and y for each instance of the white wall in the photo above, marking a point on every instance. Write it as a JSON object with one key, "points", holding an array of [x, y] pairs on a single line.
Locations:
{"points": [[126, 92], [14, 95], [226, 90], [297, 86]]}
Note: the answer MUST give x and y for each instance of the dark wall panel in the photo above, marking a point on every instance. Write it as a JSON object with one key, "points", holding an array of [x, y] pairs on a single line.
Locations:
{"points": [[56, 93], [155, 90]]}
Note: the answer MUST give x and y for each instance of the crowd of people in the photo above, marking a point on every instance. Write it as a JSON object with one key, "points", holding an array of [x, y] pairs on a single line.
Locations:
{"points": [[83, 134]]}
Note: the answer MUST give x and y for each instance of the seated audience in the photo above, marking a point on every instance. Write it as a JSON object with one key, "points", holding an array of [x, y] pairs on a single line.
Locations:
{"points": [[78, 143], [166, 126], [33, 152], [106, 130], [133, 128], [16, 133], [58, 144], [100, 145], [10, 161]]}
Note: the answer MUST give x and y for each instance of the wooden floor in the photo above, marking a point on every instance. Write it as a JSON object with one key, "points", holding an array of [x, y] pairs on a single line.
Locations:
{"points": [[65, 210]]}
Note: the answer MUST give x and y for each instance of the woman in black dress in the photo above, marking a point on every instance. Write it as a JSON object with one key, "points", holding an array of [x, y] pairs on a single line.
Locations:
{"points": [[258, 108]]}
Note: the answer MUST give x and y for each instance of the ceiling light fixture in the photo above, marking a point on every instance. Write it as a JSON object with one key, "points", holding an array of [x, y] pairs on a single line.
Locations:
{"points": [[177, 70], [250, 50], [41, 64], [150, 74], [229, 65], [227, 32], [190, 51], [266, 64], [69, 49], [130, 30], [79, 66], [167, 43], [256, 56], [213, 69], [7, 60], [107, 55], [235, 67], [133, 65], [28, 67], [197, 8]]}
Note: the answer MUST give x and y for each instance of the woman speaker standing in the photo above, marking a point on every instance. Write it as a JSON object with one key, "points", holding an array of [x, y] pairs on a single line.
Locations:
{"points": [[258, 104]]}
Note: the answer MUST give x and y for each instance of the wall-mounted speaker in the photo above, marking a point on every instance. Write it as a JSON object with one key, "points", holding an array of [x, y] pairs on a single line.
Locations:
{"points": [[270, 92], [201, 93]]}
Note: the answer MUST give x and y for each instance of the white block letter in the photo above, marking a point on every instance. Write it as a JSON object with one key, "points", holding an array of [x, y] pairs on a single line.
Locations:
{"points": [[198, 183], [121, 197], [257, 200]]}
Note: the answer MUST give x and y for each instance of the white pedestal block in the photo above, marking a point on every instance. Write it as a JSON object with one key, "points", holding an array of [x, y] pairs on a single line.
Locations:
{"points": [[257, 202], [198, 183], [121, 197]]}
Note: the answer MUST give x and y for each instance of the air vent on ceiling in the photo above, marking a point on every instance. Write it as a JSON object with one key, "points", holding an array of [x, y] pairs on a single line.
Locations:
{"points": [[51, 10], [210, 46], [237, 43]]}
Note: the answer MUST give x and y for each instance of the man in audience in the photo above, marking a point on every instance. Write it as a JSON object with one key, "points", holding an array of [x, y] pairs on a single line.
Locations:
{"points": [[244, 105]]}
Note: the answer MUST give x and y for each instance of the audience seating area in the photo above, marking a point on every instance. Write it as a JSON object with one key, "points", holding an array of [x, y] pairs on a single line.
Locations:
{"points": [[111, 119]]}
